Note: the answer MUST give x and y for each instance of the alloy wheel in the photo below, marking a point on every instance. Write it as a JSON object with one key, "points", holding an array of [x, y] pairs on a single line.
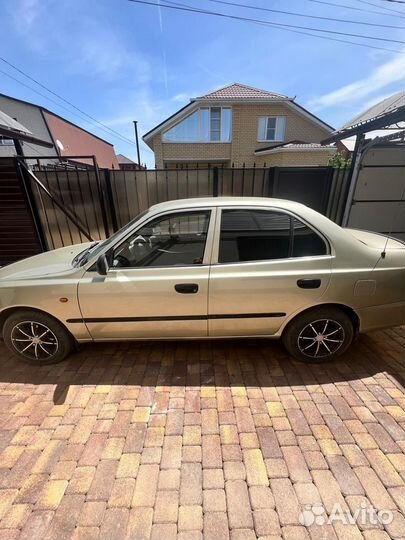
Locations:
{"points": [[34, 340], [321, 338]]}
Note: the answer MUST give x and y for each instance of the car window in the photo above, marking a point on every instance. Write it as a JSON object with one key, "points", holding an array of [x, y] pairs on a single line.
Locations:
{"points": [[306, 242], [173, 240], [259, 235]]}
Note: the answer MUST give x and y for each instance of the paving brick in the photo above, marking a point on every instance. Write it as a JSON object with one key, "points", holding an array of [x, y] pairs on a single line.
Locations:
{"points": [[166, 507], [231, 452], [190, 518], [113, 448], [65, 518], [383, 439], [168, 531], [346, 478], [36, 524], [169, 479], [238, 504], [214, 500], [384, 469], [244, 420], [234, 470], [154, 436], [32, 488], [81, 480], [374, 489], [287, 506], [398, 494], [266, 522], [171, 454], [135, 438], [92, 514], [211, 451], [245, 534], [276, 468], [295, 533], [103, 480], [191, 484], [209, 422], [139, 524], [261, 497], [297, 468], [128, 466], [146, 486], [213, 479], [216, 526], [255, 468], [329, 490], [269, 443], [16, 516], [298, 422], [51, 495], [192, 454], [122, 493], [307, 494], [191, 435], [175, 422]]}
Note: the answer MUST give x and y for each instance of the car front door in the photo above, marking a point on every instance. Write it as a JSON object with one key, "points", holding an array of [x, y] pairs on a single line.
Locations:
{"points": [[157, 282], [266, 265]]}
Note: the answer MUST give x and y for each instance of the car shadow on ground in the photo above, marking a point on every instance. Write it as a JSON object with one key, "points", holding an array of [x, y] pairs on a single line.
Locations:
{"points": [[256, 363]]}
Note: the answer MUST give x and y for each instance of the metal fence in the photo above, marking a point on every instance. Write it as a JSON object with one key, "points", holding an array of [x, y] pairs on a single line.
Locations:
{"points": [[105, 200]]}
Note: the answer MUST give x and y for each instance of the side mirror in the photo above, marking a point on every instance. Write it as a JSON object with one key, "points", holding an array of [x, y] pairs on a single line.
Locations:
{"points": [[102, 265]]}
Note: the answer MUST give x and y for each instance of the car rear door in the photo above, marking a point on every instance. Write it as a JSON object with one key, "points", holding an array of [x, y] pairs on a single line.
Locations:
{"points": [[157, 284], [267, 264]]}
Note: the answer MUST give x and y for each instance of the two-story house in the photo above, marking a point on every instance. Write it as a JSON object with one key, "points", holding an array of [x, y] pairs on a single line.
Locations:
{"points": [[238, 124]]}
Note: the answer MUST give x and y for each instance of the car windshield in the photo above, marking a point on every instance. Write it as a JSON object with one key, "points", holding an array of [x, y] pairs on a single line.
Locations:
{"points": [[97, 247]]}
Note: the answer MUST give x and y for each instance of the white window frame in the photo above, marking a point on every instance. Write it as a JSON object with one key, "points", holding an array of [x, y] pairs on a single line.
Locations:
{"points": [[201, 141], [276, 139]]}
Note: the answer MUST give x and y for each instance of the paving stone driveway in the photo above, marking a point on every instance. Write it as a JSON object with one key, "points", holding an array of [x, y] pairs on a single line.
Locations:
{"points": [[212, 440]]}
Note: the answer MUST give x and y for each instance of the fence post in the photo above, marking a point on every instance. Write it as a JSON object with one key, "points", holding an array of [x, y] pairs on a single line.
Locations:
{"points": [[110, 199], [215, 180], [101, 197]]}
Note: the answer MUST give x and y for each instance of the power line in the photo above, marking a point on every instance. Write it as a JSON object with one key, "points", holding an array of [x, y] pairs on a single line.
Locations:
{"points": [[395, 1], [295, 14], [324, 2], [380, 7], [104, 127], [184, 7]]}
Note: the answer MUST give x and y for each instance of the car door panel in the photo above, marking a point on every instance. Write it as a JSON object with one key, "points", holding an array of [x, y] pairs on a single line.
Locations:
{"points": [[254, 297], [143, 303], [151, 296]]}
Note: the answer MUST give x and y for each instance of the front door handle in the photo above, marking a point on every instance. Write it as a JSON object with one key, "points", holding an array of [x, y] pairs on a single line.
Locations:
{"points": [[186, 288], [309, 283]]}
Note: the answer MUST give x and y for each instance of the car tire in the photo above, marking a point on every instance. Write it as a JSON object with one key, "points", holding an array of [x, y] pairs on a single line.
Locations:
{"points": [[37, 338], [318, 335]]}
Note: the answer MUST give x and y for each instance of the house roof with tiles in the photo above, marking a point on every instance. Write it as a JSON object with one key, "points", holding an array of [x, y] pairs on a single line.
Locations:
{"points": [[237, 91]]}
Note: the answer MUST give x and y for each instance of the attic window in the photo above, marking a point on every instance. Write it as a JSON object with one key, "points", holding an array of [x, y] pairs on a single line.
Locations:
{"points": [[207, 124], [271, 128]]}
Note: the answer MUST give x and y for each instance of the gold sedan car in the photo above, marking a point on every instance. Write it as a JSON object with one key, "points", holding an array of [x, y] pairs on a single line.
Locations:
{"points": [[208, 268]]}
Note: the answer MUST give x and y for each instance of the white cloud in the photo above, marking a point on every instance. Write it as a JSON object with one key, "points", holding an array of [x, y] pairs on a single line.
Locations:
{"points": [[381, 77], [26, 13]]}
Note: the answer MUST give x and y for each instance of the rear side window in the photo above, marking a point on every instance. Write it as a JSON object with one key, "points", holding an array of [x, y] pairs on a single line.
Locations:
{"points": [[260, 235]]}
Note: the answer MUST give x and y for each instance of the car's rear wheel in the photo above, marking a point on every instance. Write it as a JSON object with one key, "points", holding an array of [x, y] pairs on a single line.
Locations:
{"points": [[319, 335], [36, 337]]}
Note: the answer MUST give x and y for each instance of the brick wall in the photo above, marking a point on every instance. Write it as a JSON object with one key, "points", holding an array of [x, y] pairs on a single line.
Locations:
{"points": [[304, 158], [245, 119]]}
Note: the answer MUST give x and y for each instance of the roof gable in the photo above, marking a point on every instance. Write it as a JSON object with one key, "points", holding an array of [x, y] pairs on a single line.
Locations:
{"points": [[240, 91]]}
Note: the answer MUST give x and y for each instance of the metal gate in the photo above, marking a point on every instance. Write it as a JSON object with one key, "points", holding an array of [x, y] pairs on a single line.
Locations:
{"points": [[377, 202]]}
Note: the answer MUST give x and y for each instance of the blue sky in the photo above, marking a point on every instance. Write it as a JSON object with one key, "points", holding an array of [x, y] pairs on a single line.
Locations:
{"points": [[120, 61]]}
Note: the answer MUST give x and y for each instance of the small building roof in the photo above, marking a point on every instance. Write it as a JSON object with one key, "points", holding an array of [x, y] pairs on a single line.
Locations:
{"points": [[12, 129], [293, 146], [124, 159], [239, 91]]}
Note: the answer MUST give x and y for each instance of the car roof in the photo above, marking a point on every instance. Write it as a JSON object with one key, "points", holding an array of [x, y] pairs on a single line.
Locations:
{"points": [[225, 201]]}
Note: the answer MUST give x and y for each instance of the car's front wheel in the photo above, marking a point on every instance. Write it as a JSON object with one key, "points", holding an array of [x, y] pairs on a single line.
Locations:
{"points": [[319, 335], [36, 337]]}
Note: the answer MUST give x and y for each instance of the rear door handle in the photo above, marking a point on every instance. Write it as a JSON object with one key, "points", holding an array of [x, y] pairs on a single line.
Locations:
{"points": [[186, 288], [309, 283]]}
